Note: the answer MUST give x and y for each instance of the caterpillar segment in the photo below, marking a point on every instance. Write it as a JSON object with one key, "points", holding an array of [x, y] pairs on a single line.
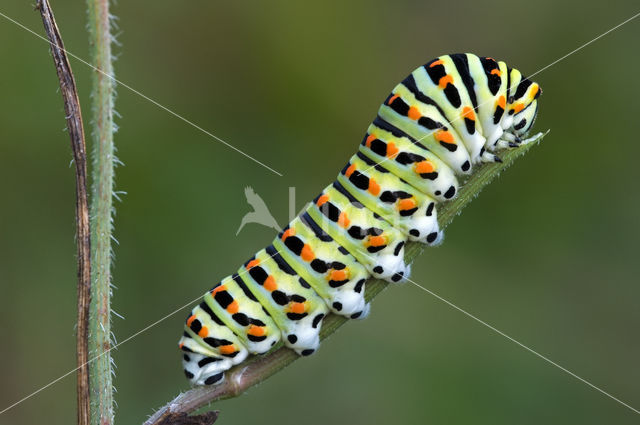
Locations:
{"points": [[441, 81], [406, 208], [239, 309], [490, 83], [446, 117], [209, 346], [374, 242], [411, 162], [329, 268], [294, 306], [415, 118]]}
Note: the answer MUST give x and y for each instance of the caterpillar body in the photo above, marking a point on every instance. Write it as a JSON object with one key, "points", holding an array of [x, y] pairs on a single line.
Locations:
{"points": [[448, 115]]}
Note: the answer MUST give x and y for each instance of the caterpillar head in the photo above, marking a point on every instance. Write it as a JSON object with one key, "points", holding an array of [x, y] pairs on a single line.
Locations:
{"points": [[522, 104], [523, 121]]}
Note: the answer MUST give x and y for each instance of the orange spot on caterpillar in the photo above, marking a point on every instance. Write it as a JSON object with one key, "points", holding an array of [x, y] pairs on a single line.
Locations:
{"points": [[414, 113], [297, 308], [343, 220], [227, 349], [233, 307], [350, 170], [534, 90], [467, 112], [502, 102], [338, 275], [406, 204], [270, 284], [370, 138], [518, 107], [392, 150], [181, 345], [322, 200], [251, 264], [444, 136], [204, 332], [392, 98], [496, 71], [287, 233], [307, 253], [191, 319], [374, 187], [436, 63], [219, 288], [377, 240], [424, 167], [256, 330], [447, 79]]}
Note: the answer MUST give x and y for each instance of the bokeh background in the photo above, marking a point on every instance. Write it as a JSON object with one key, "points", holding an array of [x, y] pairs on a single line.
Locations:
{"points": [[547, 254]]}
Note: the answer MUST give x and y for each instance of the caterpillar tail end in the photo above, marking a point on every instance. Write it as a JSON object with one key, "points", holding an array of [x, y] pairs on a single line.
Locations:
{"points": [[209, 374]]}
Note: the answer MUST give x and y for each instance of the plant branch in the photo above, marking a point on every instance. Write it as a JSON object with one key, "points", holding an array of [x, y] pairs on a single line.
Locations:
{"points": [[258, 368], [100, 40], [76, 133]]}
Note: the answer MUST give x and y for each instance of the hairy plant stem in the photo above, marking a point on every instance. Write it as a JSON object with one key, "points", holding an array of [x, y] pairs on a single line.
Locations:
{"points": [[258, 368], [76, 133], [100, 40]]}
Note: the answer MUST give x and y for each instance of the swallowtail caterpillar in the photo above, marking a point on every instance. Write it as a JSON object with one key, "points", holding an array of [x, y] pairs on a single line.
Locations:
{"points": [[444, 119]]}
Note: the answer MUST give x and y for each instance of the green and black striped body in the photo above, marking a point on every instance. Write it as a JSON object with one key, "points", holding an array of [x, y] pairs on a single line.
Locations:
{"points": [[449, 115]]}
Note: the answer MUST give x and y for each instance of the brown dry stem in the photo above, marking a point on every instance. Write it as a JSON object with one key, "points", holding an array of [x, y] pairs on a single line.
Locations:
{"points": [[76, 133]]}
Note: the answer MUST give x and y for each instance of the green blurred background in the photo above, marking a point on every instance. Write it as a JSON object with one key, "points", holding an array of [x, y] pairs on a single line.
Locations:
{"points": [[548, 254]]}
